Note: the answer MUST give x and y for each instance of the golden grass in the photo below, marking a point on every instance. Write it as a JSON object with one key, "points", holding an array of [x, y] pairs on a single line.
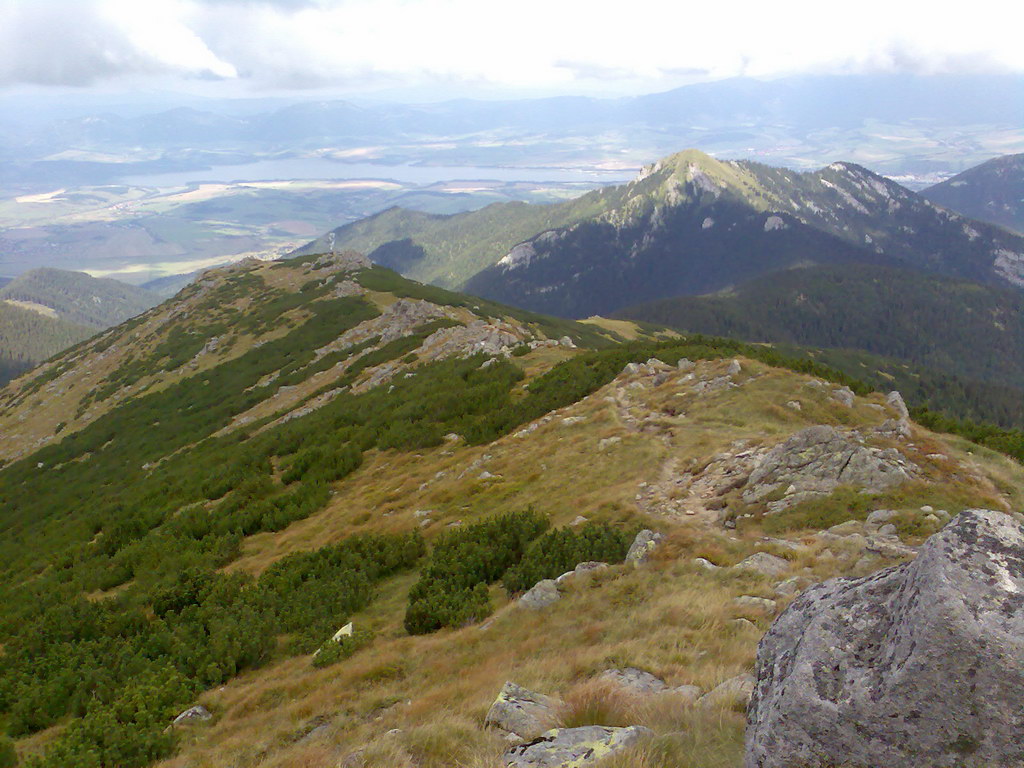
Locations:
{"points": [[669, 617]]}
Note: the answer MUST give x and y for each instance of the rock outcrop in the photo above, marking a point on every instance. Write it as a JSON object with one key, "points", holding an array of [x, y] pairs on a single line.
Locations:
{"points": [[819, 459], [573, 747], [917, 665]]}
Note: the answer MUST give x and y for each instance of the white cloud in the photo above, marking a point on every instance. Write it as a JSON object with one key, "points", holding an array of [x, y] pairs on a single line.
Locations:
{"points": [[530, 43]]}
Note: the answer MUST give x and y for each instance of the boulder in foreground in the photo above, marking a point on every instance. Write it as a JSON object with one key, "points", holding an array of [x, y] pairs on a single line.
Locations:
{"points": [[917, 665]]}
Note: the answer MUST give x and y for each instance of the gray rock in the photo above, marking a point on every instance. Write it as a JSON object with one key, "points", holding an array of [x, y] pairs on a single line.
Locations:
{"points": [[540, 595], [843, 396], [819, 459], [635, 680], [880, 516], [688, 692], [706, 564], [917, 665], [788, 588], [587, 567], [888, 546], [895, 401], [733, 692], [887, 530], [575, 747], [755, 603], [764, 564], [521, 711], [196, 714], [640, 550]]}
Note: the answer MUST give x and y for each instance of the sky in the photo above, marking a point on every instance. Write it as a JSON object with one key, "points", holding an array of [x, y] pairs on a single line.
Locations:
{"points": [[466, 47]]}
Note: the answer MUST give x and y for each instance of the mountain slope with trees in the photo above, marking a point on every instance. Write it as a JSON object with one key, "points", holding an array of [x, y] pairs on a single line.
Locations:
{"points": [[992, 192], [195, 501]]}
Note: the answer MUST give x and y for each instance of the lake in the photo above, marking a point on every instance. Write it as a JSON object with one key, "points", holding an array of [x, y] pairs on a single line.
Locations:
{"points": [[318, 168]]}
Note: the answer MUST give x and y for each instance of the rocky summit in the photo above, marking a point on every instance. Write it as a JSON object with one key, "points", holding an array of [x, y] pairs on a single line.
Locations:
{"points": [[912, 666]]}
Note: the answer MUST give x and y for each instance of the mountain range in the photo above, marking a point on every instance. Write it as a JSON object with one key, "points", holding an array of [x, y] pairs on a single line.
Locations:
{"points": [[689, 224]]}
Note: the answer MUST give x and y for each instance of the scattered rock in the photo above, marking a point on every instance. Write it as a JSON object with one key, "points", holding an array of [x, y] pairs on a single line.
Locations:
{"points": [[743, 624], [733, 692], [788, 588], [635, 680], [640, 550], [706, 564], [755, 603], [880, 516], [844, 396], [913, 666], [587, 567], [573, 747], [689, 692], [764, 564], [540, 595], [578, 520], [196, 714], [522, 712]]}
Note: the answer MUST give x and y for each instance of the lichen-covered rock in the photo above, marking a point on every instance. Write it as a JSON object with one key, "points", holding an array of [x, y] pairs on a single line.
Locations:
{"points": [[643, 545], [917, 665], [635, 680], [819, 459], [573, 747], [541, 595], [522, 712]]}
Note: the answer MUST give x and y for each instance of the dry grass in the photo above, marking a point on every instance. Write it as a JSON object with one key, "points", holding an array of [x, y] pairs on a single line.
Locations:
{"points": [[670, 617]]}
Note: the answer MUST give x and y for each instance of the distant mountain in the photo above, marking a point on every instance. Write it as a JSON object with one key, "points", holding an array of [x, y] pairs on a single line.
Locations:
{"points": [[47, 310], [687, 225], [970, 330], [992, 192], [79, 298]]}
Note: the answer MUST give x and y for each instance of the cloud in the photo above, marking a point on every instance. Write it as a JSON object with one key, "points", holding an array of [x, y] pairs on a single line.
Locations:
{"points": [[294, 44]]}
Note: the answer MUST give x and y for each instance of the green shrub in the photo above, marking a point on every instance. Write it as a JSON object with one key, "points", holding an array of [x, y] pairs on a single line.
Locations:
{"points": [[452, 590], [561, 550]]}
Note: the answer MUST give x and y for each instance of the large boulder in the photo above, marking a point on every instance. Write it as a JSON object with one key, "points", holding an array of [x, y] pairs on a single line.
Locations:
{"points": [[917, 665], [522, 712], [541, 595], [819, 459], [573, 747]]}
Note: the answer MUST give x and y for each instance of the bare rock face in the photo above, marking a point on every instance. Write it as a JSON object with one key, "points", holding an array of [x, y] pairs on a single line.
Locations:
{"points": [[917, 665], [816, 461]]}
